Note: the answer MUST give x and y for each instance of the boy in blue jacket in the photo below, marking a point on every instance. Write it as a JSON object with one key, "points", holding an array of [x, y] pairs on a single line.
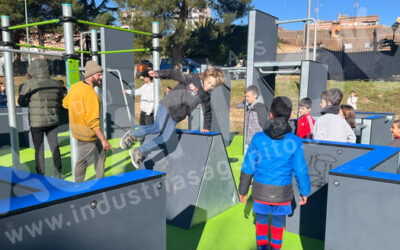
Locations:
{"points": [[272, 157]]}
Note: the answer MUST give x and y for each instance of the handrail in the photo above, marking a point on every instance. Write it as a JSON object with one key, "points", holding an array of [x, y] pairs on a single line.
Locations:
{"points": [[34, 24], [308, 36], [30, 52], [114, 28], [49, 48], [123, 51]]}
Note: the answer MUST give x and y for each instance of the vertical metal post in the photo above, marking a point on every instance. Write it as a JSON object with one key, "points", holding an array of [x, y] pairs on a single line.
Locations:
{"points": [[69, 50], [27, 30], [156, 63], [94, 45], [95, 50], [9, 73], [308, 32]]}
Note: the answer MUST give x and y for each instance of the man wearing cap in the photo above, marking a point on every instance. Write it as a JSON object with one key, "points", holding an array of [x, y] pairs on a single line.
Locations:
{"points": [[83, 106], [43, 95], [146, 99]]}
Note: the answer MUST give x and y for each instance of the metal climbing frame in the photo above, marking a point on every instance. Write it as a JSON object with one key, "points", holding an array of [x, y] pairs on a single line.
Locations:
{"points": [[72, 64]]}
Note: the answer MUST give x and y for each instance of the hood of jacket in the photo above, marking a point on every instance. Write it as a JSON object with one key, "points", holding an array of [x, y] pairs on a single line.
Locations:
{"points": [[331, 110], [39, 68], [278, 128]]}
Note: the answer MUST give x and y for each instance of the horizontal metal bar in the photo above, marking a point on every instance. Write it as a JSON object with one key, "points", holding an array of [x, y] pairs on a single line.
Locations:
{"points": [[49, 48], [123, 51], [6, 114], [277, 64], [114, 28], [31, 52], [294, 71], [34, 24], [234, 69], [38, 46], [297, 20], [308, 37]]}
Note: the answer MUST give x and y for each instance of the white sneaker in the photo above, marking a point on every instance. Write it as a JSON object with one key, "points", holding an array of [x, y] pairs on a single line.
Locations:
{"points": [[136, 157], [126, 140]]}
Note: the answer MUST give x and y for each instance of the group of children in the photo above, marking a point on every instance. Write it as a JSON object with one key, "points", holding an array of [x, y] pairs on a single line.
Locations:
{"points": [[270, 163]]}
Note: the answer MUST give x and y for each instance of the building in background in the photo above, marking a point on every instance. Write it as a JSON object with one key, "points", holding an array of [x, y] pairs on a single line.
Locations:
{"points": [[351, 34]]}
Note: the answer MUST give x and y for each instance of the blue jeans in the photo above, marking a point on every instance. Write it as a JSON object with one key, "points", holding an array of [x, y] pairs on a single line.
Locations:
{"points": [[164, 124]]}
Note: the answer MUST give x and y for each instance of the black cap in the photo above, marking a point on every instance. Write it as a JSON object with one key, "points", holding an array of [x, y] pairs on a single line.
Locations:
{"points": [[145, 73]]}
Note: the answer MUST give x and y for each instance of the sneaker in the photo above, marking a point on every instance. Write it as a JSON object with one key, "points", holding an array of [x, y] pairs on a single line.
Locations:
{"points": [[136, 157], [127, 140]]}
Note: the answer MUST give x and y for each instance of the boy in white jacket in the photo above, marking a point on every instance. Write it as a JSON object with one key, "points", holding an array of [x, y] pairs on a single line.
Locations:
{"points": [[146, 99], [331, 126]]}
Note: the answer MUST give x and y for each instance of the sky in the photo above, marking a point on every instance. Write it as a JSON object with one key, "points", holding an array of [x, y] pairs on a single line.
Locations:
{"points": [[388, 10]]}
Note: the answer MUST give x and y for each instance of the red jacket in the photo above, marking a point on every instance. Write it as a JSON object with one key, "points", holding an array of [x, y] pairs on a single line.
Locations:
{"points": [[305, 126]]}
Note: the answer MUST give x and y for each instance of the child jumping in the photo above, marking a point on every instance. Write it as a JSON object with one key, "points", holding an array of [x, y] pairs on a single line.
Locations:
{"points": [[191, 91], [270, 162]]}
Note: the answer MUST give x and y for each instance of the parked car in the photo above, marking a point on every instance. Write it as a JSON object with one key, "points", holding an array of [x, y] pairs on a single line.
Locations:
{"points": [[142, 66], [187, 65]]}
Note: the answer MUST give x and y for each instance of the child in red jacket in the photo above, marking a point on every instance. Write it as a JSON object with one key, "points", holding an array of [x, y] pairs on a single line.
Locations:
{"points": [[305, 124]]}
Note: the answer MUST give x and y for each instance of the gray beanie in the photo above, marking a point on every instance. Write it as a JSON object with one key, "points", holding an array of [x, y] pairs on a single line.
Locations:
{"points": [[92, 68]]}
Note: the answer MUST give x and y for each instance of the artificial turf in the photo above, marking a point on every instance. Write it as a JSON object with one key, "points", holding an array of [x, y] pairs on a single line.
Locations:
{"points": [[232, 229]]}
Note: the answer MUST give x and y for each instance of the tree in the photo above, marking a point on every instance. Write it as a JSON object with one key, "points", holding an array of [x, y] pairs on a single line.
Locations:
{"points": [[174, 15]]}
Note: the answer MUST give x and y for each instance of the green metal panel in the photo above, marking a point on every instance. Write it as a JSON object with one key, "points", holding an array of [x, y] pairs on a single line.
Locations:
{"points": [[73, 71]]}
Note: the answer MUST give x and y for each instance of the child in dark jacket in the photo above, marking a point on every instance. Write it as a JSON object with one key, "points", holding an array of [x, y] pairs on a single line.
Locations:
{"points": [[3, 94], [272, 158], [191, 91]]}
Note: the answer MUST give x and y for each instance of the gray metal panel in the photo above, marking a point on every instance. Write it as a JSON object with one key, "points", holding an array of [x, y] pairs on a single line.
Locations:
{"points": [[194, 119], [112, 99], [389, 166], [131, 217], [183, 158], [218, 189], [366, 129], [220, 106], [23, 128], [309, 220], [362, 214], [380, 131], [314, 78], [261, 47]]}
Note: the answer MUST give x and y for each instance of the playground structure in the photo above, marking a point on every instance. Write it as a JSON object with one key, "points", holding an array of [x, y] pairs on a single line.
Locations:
{"points": [[200, 183], [334, 168], [361, 180], [73, 70], [90, 214], [115, 121]]}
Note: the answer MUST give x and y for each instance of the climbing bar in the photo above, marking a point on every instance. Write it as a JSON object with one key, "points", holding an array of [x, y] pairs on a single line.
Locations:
{"points": [[49, 48], [30, 52], [123, 51], [34, 24], [114, 28]]}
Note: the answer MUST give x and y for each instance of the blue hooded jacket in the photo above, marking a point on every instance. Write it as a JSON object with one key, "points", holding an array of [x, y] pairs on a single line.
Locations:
{"points": [[271, 164]]}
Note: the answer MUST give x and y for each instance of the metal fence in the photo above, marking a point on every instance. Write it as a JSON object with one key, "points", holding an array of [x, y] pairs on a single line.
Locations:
{"points": [[364, 65]]}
